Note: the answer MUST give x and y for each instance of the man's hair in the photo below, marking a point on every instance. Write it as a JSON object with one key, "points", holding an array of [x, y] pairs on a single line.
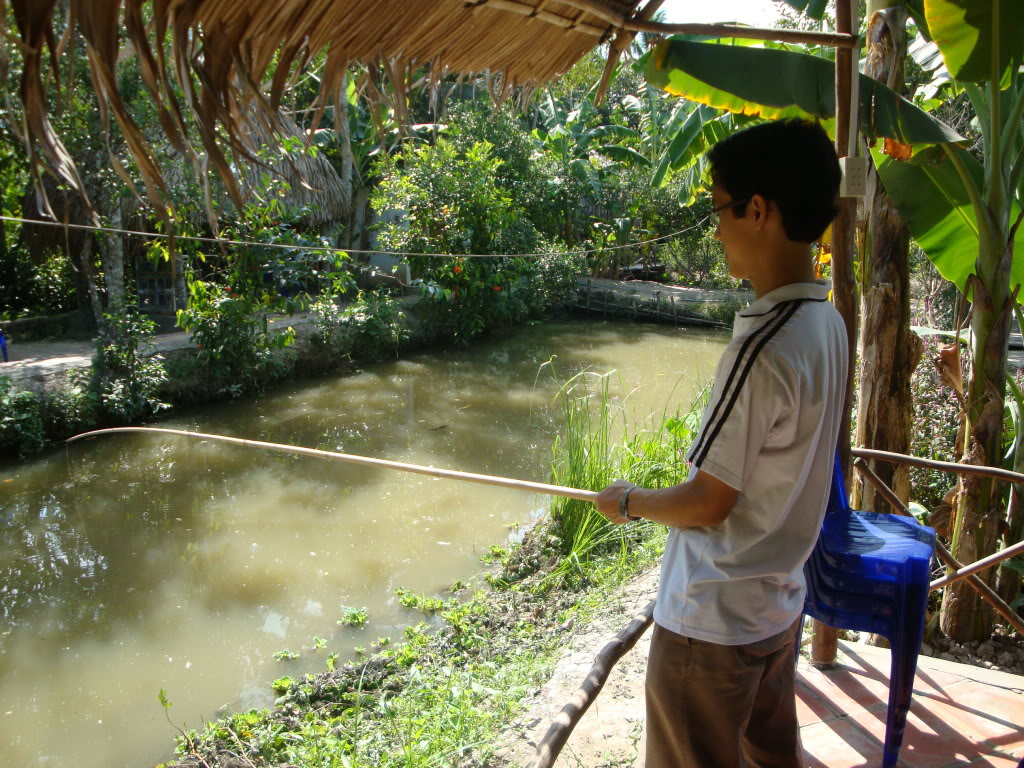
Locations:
{"points": [[790, 162]]}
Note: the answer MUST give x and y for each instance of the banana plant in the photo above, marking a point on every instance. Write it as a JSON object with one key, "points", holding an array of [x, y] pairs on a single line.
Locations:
{"points": [[568, 136]]}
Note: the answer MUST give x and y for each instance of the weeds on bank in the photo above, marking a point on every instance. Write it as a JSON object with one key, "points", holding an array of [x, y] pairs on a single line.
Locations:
{"points": [[442, 694]]}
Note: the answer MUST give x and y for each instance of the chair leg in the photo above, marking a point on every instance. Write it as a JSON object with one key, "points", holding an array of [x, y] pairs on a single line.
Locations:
{"points": [[905, 645]]}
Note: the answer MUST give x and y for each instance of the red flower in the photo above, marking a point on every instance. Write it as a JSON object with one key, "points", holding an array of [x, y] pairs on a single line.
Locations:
{"points": [[199, 346], [457, 270], [497, 288]]}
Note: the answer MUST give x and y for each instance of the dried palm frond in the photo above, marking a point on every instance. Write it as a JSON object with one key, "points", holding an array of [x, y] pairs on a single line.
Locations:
{"points": [[231, 60]]}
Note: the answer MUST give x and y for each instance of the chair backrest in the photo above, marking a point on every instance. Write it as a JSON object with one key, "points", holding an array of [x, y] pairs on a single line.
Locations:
{"points": [[838, 501]]}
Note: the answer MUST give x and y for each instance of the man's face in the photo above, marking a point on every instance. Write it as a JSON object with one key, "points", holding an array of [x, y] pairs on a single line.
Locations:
{"points": [[732, 232]]}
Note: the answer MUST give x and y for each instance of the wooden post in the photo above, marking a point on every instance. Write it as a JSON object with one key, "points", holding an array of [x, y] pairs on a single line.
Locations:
{"points": [[825, 642]]}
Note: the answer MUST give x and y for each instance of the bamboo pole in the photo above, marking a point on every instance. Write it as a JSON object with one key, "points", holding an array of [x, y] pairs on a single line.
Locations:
{"points": [[825, 640], [561, 729], [944, 554], [451, 474], [946, 466], [622, 41], [840, 40], [978, 565]]}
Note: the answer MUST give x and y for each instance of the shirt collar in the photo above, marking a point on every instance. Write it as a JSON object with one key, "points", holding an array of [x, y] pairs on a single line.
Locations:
{"points": [[816, 291]]}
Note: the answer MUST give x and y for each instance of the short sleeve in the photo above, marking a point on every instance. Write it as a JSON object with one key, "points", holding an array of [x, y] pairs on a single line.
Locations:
{"points": [[748, 397]]}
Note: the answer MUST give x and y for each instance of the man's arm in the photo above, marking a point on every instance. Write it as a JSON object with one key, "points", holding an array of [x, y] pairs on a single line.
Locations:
{"points": [[703, 500]]}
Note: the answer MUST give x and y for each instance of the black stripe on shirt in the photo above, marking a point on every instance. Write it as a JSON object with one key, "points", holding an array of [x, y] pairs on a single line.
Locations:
{"points": [[776, 325], [778, 308], [762, 314]]}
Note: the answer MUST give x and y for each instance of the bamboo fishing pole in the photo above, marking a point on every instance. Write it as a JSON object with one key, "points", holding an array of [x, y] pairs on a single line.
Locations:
{"points": [[451, 474]]}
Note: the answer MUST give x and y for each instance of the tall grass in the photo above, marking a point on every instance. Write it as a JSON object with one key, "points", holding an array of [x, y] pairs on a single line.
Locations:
{"points": [[599, 445]]}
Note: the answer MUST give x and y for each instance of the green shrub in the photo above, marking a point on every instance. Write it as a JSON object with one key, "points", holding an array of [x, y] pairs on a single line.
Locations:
{"points": [[125, 380], [21, 420], [375, 325], [236, 350], [451, 202]]}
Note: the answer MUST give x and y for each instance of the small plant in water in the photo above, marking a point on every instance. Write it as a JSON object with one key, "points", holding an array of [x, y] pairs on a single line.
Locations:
{"points": [[353, 617], [380, 642], [285, 655], [318, 642], [331, 661], [360, 650], [282, 684]]}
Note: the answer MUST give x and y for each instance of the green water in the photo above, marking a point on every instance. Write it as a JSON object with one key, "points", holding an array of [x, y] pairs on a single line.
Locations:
{"points": [[135, 562]]}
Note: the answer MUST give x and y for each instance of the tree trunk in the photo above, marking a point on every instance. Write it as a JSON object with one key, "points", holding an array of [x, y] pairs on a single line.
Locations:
{"points": [[89, 270], [889, 351], [112, 252], [343, 129]]}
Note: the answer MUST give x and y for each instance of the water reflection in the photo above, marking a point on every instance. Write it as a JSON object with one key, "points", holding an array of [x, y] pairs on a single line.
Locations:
{"points": [[138, 562]]}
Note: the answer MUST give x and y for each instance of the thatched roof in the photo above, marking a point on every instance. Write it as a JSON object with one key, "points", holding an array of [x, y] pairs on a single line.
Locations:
{"points": [[228, 57]]}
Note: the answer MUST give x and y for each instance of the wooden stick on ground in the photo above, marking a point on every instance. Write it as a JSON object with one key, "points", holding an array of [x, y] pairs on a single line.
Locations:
{"points": [[451, 474], [561, 729], [944, 554]]}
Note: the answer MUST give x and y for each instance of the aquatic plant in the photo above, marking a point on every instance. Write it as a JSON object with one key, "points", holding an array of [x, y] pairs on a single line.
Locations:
{"points": [[353, 617]]}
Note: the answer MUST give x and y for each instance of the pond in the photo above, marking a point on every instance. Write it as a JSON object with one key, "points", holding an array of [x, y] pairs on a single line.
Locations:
{"points": [[135, 563]]}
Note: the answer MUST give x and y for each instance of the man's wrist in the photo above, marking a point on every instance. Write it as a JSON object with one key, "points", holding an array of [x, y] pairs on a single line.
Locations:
{"points": [[624, 505]]}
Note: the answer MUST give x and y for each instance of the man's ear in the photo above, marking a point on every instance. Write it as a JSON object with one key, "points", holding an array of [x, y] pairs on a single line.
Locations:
{"points": [[759, 209]]}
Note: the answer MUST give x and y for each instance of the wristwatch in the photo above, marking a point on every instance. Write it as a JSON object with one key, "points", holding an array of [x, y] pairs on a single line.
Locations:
{"points": [[624, 505]]}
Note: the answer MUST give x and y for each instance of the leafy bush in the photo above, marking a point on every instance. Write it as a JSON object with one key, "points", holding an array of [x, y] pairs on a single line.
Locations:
{"points": [[376, 325], [125, 380], [451, 202], [235, 346], [21, 420], [555, 283]]}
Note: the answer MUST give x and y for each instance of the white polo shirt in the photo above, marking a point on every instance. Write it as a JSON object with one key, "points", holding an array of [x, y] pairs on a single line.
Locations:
{"points": [[769, 431]]}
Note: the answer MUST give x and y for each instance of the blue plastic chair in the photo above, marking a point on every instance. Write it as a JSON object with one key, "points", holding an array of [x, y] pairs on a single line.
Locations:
{"points": [[869, 572]]}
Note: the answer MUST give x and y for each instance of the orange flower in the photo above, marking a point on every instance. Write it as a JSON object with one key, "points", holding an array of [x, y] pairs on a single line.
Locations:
{"points": [[457, 270], [497, 288]]}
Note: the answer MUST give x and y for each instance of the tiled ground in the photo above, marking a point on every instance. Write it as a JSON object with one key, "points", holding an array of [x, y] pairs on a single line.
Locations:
{"points": [[960, 715]]}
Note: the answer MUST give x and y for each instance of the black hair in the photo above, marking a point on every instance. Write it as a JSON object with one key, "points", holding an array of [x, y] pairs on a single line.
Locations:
{"points": [[790, 162]]}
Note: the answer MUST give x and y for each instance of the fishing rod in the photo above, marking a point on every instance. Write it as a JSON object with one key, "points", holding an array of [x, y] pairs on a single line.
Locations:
{"points": [[451, 474]]}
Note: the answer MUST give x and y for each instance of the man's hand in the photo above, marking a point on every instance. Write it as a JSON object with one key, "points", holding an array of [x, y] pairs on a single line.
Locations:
{"points": [[608, 501]]}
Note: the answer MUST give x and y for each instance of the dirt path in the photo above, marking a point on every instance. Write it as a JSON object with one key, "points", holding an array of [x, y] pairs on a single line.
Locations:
{"points": [[611, 731]]}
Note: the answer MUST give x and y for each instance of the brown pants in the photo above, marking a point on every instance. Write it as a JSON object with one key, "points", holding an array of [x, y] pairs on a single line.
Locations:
{"points": [[722, 706]]}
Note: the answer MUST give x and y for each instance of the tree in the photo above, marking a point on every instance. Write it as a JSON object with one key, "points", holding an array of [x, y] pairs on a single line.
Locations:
{"points": [[888, 350]]}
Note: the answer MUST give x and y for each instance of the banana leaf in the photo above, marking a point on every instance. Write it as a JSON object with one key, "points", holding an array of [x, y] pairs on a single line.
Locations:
{"points": [[777, 84], [686, 137], [623, 154], [934, 203], [963, 30]]}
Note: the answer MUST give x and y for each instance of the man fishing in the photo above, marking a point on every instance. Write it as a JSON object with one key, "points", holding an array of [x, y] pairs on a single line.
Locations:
{"points": [[720, 675]]}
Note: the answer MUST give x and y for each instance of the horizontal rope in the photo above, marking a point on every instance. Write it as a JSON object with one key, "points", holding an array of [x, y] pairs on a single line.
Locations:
{"points": [[330, 249]]}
